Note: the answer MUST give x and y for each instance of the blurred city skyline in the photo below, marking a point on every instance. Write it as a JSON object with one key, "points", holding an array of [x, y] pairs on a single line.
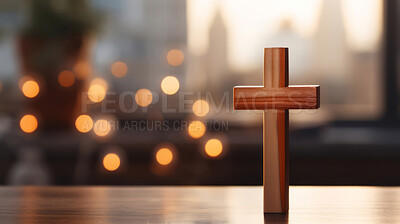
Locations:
{"points": [[250, 23]]}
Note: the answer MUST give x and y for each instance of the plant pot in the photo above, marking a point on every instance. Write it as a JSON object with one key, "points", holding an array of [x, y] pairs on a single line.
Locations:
{"points": [[42, 59]]}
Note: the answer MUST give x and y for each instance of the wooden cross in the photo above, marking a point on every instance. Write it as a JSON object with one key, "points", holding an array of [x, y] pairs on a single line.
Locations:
{"points": [[275, 98]]}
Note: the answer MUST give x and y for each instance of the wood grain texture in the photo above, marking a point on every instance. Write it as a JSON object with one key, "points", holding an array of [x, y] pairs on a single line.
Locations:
{"points": [[276, 161], [276, 67], [103, 205], [291, 97], [275, 140]]}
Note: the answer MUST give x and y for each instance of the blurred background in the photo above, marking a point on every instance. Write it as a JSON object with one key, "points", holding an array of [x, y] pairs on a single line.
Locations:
{"points": [[139, 92]]}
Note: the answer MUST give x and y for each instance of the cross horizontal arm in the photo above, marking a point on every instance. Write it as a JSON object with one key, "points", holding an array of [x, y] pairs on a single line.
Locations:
{"points": [[261, 98]]}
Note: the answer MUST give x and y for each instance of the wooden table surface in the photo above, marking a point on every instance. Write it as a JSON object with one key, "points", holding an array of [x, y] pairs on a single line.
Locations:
{"points": [[195, 205]]}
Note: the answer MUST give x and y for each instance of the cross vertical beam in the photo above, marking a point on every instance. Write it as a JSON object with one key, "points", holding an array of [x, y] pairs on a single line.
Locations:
{"points": [[275, 136]]}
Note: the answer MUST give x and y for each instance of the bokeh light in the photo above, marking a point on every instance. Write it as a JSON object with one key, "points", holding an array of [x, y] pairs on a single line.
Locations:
{"points": [[82, 70], [213, 147], [201, 108], [101, 82], [164, 156], [30, 88], [66, 78], [102, 127], [143, 97], [175, 57], [96, 93], [28, 123], [170, 85], [97, 90], [111, 162], [119, 69], [196, 129], [84, 123]]}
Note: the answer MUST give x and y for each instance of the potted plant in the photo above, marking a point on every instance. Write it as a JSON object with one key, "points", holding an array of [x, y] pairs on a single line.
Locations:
{"points": [[57, 39]]}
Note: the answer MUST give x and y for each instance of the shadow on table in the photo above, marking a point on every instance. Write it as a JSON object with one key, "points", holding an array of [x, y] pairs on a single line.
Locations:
{"points": [[276, 218]]}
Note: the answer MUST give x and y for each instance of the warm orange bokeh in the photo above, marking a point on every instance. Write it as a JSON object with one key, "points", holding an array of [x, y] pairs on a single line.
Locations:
{"points": [[196, 129], [102, 127], [84, 123], [170, 85], [143, 97], [213, 147], [111, 162], [28, 123], [201, 108], [119, 69], [96, 93], [164, 156], [66, 78], [30, 88], [175, 57], [97, 90]]}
